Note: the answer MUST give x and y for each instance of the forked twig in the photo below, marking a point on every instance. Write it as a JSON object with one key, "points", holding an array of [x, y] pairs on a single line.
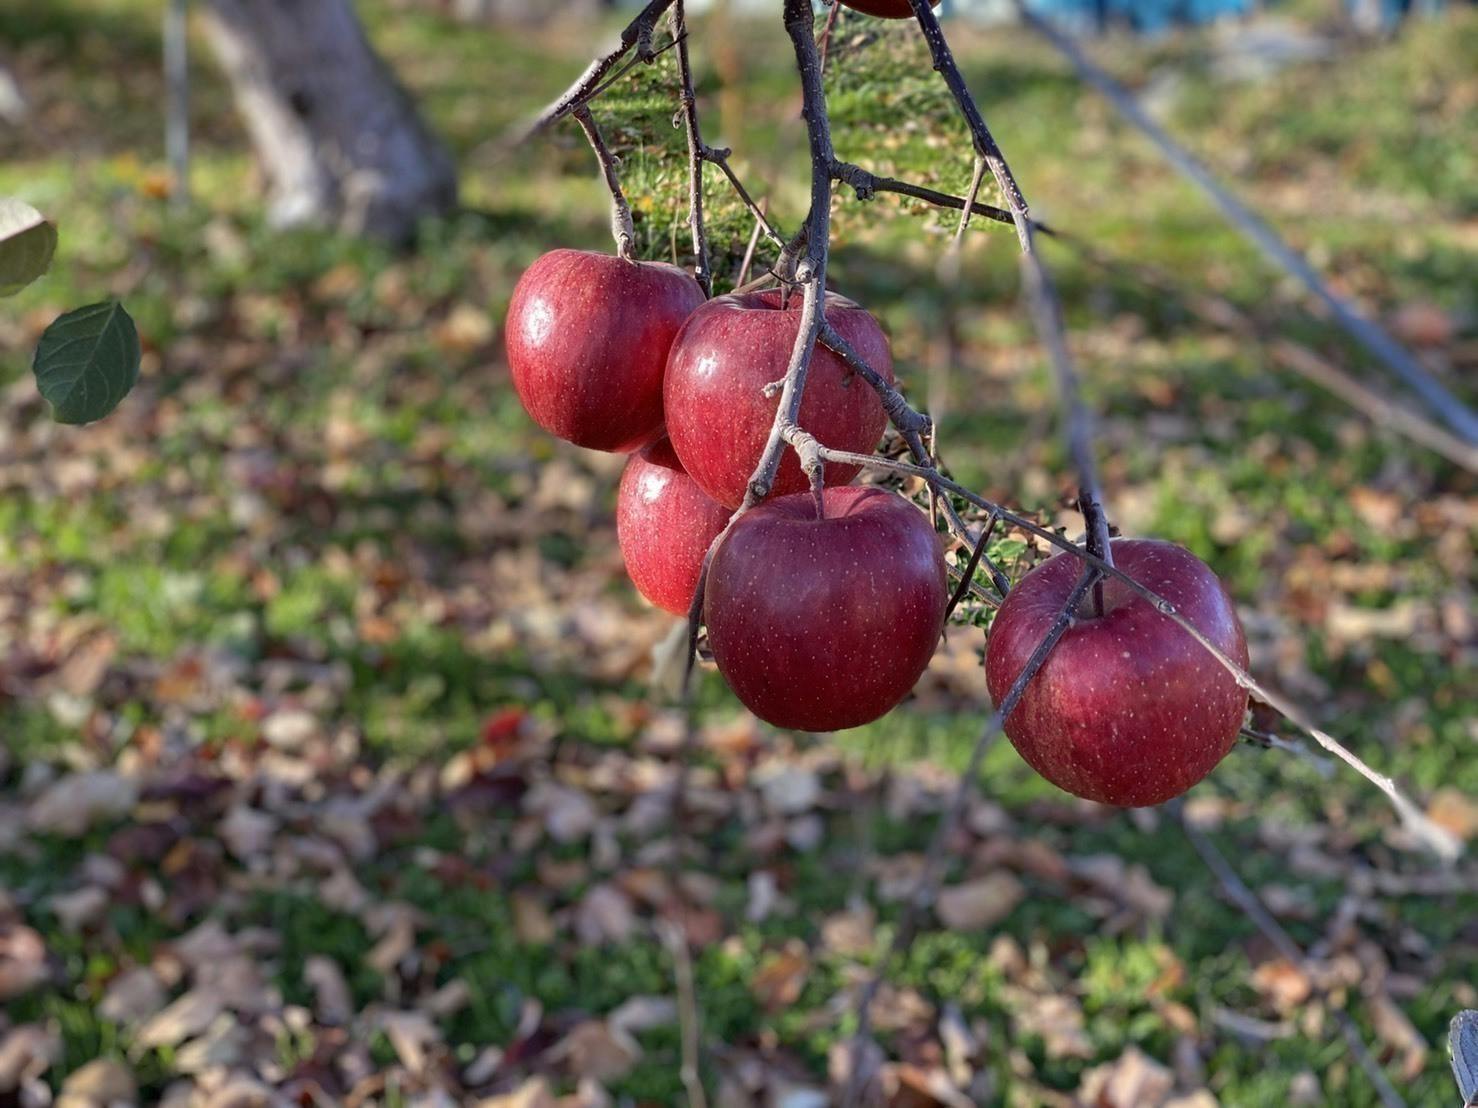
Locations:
{"points": [[637, 33]]}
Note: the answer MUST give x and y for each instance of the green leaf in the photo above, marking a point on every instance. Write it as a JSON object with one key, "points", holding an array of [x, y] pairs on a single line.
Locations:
{"points": [[86, 362], [27, 243]]}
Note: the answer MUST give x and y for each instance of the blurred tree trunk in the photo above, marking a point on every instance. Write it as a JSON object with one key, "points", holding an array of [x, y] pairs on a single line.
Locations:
{"points": [[340, 141]]}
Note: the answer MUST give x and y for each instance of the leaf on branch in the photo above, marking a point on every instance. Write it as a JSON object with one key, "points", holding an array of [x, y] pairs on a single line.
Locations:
{"points": [[27, 243], [87, 361], [1462, 1045]]}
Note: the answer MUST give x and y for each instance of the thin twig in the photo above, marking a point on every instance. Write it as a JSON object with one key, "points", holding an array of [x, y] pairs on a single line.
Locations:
{"points": [[968, 577], [1221, 313], [637, 33], [754, 241], [1254, 909], [688, 1017], [177, 99], [719, 156], [632, 63], [1046, 307], [622, 227], [1362, 329], [1429, 834], [912, 425], [865, 183], [968, 207], [1379, 409], [937, 852], [688, 101], [1266, 740], [1077, 422], [825, 39]]}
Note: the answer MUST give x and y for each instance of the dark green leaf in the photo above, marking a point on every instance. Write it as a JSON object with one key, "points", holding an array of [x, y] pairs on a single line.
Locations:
{"points": [[27, 243], [86, 362]]}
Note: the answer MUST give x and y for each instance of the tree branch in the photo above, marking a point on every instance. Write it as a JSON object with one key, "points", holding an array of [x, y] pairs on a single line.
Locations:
{"points": [[688, 101], [1363, 330], [865, 183], [1046, 307], [637, 33], [811, 269]]}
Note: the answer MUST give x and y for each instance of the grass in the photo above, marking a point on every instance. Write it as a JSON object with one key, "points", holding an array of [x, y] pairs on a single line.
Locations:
{"points": [[238, 522]]}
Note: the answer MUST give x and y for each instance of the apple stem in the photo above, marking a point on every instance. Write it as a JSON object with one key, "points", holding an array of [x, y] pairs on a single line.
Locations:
{"points": [[622, 227]]}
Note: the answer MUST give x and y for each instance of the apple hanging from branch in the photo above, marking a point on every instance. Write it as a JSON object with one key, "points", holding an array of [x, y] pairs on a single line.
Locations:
{"points": [[588, 335], [665, 524], [826, 623], [1128, 709], [720, 405]]}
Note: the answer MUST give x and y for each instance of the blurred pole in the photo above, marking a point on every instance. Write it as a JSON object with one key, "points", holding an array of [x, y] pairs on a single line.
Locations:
{"points": [[177, 98]]}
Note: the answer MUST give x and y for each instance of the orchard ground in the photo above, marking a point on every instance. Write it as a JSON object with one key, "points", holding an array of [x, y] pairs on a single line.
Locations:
{"points": [[359, 634]]}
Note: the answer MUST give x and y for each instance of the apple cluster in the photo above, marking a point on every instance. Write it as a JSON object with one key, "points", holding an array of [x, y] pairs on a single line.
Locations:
{"points": [[820, 616], [823, 608]]}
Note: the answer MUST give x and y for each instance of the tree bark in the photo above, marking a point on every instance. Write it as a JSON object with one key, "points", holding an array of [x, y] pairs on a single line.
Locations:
{"points": [[340, 141]]}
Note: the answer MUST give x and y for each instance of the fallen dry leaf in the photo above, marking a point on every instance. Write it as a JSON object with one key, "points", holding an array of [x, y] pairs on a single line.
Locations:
{"points": [[101, 1083], [1455, 810], [185, 1017], [1398, 1035], [133, 996], [979, 903], [1133, 1081], [1284, 985], [780, 978], [595, 1049], [27, 1052], [22, 960], [533, 1093], [331, 997], [76, 803], [604, 915]]}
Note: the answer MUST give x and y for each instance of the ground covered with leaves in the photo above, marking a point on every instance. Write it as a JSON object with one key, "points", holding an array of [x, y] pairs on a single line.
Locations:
{"points": [[331, 771]]}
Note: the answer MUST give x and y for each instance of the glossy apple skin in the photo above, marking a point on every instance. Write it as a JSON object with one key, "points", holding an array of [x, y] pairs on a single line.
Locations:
{"points": [[728, 351], [665, 525], [1128, 709], [587, 339], [885, 9], [821, 625]]}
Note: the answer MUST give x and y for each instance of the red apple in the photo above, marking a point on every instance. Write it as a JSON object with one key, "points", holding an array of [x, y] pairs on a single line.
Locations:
{"points": [[664, 524], [822, 624], [885, 9], [1128, 708], [588, 336], [718, 415]]}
